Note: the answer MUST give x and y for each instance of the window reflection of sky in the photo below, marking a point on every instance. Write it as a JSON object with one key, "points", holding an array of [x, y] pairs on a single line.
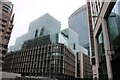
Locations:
{"points": [[114, 21], [116, 8]]}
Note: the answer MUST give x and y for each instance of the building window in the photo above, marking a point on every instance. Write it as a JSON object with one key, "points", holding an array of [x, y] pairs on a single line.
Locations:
{"points": [[74, 46], [4, 21], [36, 32], [114, 22], [1, 30], [3, 25], [42, 32], [101, 50], [93, 61], [8, 33], [5, 10], [6, 37], [5, 46], [78, 65]]}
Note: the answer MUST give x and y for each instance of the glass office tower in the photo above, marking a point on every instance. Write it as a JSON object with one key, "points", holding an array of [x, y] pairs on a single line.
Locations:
{"points": [[78, 21], [48, 25]]}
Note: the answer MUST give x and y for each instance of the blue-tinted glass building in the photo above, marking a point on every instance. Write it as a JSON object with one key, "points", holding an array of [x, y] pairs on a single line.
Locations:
{"points": [[78, 21]]}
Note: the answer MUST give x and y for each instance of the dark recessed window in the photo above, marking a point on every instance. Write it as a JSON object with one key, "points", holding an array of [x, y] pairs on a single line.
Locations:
{"points": [[42, 32], [74, 46], [3, 25], [5, 10], [8, 32], [4, 21], [5, 46], [36, 32], [6, 37], [1, 30], [93, 61], [10, 28], [3, 52], [6, 5]]}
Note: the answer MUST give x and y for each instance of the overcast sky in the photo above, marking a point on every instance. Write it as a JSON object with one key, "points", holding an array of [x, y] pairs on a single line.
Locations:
{"points": [[27, 11]]}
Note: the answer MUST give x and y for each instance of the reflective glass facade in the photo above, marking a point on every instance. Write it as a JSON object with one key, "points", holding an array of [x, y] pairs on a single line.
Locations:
{"points": [[114, 21], [114, 34], [78, 21], [101, 50], [48, 25], [101, 57], [42, 26]]}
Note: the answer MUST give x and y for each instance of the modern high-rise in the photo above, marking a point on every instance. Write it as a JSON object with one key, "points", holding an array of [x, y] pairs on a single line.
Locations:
{"points": [[104, 24], [6, 26], [43, 25], [45, 51], [48, 25], [78, 21]]}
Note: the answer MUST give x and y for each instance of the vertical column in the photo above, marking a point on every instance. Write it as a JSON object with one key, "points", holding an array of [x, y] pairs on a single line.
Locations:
{"points": [[35, 61], [96, 57], [1, 41], [81, 65], [107, 47]]}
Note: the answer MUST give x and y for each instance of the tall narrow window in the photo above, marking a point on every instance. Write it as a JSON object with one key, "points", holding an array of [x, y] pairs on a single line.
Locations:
{"points": [[36, 32], [101, 50], [74, 46], [42, 32]]}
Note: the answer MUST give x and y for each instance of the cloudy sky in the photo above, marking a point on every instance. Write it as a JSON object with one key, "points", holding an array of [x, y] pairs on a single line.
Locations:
{"points": [[27, 11]]}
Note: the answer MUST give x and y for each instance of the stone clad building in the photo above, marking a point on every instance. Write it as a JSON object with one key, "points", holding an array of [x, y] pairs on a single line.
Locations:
{"points": [[49, 60]]}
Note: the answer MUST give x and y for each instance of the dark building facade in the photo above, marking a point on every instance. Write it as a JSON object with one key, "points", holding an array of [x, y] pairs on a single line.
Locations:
{"points": [[42, 59], [113, 22]]}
